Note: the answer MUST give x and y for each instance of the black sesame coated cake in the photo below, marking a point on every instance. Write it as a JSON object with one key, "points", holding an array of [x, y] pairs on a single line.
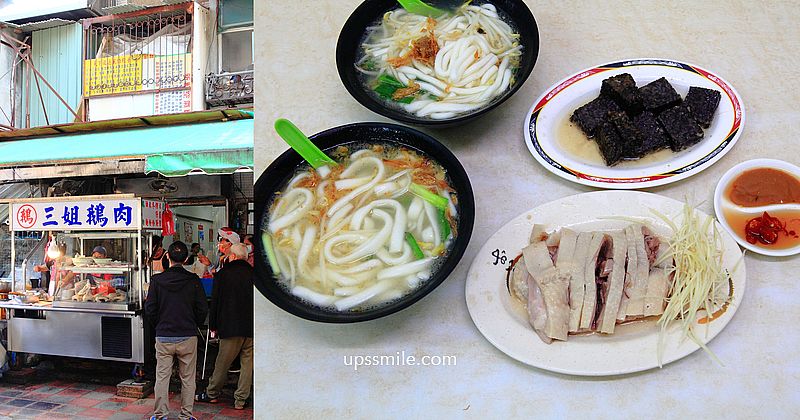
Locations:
{"points": [[654, 137], [610, 143], [590, 116], [702, 104], [682, 129], [622, 90], [659, 95], [630, 139]]}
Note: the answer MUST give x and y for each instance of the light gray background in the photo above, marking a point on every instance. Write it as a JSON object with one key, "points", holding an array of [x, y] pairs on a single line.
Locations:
{"points": [[300, 370]]}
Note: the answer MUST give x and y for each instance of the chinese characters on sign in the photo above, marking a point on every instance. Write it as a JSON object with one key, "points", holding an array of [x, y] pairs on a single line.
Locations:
{"points": [[151, 214], [112, 75], [26, 216], [76, 215]]}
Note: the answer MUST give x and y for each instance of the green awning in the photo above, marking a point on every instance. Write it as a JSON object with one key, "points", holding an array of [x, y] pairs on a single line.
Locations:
{"points": [[212, 163], [211, 147]]}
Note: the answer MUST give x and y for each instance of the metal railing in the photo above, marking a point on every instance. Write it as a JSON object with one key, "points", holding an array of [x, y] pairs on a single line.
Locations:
{"points": [[139, 52], [224, 89], [123, 6]]}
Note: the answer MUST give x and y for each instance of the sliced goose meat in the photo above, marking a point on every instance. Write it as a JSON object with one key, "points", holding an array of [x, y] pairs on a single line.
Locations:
{"points": [[638, 285], [658, 285], [631, 267], [612, 287], [554, 287], [518, 283], [577, 283], [537, 309], [590, 280]]}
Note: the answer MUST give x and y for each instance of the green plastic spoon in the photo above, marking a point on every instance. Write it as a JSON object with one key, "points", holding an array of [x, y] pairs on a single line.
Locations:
{"points": [[301, 144], [418, 7]]}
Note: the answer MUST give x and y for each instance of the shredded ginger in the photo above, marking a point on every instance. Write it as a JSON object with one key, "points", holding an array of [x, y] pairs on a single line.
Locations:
{"points": [[700, 283]]}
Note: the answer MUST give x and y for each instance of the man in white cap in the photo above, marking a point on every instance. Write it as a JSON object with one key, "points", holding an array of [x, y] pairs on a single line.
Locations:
{"points": [[227, 237]]}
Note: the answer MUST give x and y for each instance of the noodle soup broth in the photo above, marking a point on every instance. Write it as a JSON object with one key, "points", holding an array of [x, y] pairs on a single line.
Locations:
{"points": [[440, 68], [373, 229]]}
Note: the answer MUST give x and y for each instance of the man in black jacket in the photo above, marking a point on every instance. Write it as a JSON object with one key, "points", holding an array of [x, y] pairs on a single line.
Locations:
{"points": [[232, 318], [176, 306]]}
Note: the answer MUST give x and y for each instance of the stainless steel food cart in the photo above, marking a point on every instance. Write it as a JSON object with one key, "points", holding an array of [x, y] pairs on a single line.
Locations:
{"points": [[94, 310]]}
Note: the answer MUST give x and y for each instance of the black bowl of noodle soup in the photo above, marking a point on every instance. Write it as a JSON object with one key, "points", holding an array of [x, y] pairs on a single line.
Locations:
{"points": [[361, 241], [440, 72]]}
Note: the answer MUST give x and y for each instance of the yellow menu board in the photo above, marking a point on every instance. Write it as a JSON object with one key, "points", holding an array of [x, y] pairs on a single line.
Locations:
{"points": [[102, 76]]}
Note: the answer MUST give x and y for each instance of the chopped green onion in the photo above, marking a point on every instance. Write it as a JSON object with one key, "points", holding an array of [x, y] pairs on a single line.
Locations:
{"points": [[385, 91], [427, 195], [415, 249], [273, 261], [385, 79], [444, 225], [388, 85]]}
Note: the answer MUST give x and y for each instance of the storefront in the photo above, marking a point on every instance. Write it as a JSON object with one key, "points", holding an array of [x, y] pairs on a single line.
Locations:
{"points": [[92, 307], [200, 164]]}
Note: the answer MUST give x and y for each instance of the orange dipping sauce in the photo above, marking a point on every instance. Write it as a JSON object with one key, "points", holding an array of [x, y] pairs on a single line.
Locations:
{"points": [[764, 186], [778, 229]]}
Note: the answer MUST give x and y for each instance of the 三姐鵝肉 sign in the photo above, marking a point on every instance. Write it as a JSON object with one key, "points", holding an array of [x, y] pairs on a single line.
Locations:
{"points": [[72, 214]]}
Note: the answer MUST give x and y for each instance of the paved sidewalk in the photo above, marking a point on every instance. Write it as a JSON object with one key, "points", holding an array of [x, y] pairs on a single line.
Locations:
{"points": [[59, 399]]}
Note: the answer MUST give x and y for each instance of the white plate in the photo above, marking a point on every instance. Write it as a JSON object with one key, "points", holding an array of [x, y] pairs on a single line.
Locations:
{"points": [[547, 125], [721, 202], [632, 347]]}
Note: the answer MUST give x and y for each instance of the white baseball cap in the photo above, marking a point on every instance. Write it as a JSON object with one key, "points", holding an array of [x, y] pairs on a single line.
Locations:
{"points": [[229, 234]]}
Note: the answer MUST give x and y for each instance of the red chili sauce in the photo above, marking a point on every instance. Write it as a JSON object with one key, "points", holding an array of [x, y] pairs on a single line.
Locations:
{"points": [[762, 187]]}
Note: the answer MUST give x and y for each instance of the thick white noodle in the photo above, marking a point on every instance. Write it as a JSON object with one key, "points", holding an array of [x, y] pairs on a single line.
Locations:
{"points": [[399, 227], [364, 266], [390, 259], [298, 203], [363, 296], [413, 267], [380, 170], [305, 247], [313, 297], [365, 248], [433, 218]]}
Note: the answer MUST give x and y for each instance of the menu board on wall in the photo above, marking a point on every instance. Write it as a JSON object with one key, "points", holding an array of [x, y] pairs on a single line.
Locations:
{"points": [[136, 72], [109, 75], [172, 102]]}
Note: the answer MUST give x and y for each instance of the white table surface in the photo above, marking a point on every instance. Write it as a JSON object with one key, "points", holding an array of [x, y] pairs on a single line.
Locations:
{"points": [[300, 365]]}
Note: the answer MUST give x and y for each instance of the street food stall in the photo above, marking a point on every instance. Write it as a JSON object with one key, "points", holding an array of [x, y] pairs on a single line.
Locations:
{"points": [[94, 303]]}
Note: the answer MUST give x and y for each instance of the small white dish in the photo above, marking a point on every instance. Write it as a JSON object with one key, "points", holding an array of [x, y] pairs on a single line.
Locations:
{"points": [[721, 203]]}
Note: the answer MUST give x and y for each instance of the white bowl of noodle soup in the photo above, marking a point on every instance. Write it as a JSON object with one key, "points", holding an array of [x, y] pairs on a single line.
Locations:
{"points": [[446, 70], [341, 242]]}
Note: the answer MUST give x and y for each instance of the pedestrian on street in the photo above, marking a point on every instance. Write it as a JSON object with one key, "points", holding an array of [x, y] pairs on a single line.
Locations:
{"points": [[176, 306], [197, 262], [227, 237], [248, 241], [157, 258], [231, 318]]}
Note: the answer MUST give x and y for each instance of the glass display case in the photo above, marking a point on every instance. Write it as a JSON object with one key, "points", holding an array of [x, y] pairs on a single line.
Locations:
{"points": [[109, 281]]}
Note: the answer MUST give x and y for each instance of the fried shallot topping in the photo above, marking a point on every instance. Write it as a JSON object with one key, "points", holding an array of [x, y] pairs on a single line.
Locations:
{"points": [[401, 93], [423, 49]]}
